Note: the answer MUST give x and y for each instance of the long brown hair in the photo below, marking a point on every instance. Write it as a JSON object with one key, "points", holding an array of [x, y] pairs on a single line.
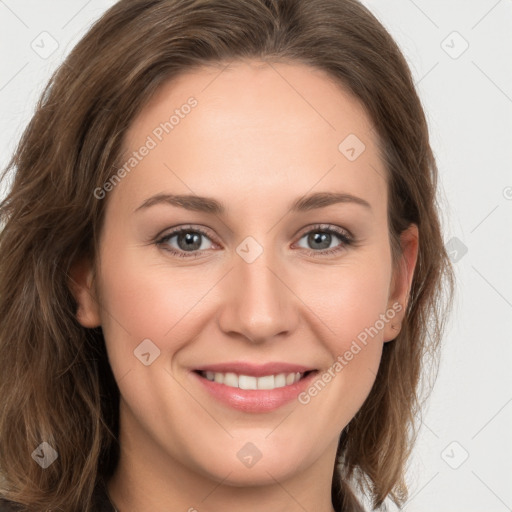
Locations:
{"points": [[55, 381]]}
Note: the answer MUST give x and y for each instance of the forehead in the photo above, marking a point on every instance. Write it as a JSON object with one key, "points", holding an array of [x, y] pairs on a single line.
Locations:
{"points": [[256, 126]]}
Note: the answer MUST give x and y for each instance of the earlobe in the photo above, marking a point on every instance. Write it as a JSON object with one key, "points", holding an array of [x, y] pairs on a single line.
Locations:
{"points": [[81, 284], [402, 281]]}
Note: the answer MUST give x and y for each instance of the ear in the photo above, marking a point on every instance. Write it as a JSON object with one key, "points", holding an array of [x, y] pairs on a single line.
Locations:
{"points": [[402, 281], [81, 284]]}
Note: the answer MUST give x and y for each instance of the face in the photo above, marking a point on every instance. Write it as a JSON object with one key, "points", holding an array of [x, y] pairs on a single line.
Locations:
{"points": [[268, 282]]}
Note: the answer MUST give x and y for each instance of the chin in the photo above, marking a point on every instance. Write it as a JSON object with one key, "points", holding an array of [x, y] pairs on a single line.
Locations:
{"points": [[265, 470]]}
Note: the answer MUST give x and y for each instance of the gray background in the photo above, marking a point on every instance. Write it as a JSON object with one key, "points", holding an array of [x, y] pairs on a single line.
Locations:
{"points": [[462, 459]]}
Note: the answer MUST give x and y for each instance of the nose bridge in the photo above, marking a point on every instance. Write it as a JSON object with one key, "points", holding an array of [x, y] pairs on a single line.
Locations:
{"points": [[259, 306]]}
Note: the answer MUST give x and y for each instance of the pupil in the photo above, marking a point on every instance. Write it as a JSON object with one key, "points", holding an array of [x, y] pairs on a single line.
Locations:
{"points": [[192, 241], [324, 239]]}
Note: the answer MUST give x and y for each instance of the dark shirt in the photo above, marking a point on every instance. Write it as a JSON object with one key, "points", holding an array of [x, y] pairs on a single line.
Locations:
{"points": [[101, 502]]}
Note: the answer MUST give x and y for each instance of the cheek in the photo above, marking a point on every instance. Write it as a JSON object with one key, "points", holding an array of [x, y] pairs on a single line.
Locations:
{"points": [[350, 299], [353, 311], [143, 300], [359, 303]]}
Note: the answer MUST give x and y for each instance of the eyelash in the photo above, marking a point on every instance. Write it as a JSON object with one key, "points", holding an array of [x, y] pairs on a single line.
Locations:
{"points": [[343, 235]]}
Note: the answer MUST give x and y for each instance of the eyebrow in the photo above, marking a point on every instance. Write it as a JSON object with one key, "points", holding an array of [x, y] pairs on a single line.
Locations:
{"points": [[212, 206]]}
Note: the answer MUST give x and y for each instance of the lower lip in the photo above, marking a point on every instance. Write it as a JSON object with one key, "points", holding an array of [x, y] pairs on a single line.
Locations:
{"points": [[255, 400]]}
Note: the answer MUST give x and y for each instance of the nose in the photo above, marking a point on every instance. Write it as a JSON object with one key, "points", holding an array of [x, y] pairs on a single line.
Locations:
{"points": [[258, 302]]}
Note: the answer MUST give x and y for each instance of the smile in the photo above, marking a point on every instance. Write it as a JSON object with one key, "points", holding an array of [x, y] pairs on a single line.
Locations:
{"points": [[253, 388], [251, 382]]}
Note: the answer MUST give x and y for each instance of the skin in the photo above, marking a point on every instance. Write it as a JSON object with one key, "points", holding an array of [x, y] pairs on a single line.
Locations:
{"points": [[260, 137]]}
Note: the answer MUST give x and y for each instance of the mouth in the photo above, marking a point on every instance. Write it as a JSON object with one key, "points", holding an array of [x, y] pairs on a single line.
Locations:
{"points": [[251, 382], [253, 388]]}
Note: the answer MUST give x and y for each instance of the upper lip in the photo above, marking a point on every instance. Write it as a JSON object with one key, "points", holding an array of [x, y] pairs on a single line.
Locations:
{"points": [[255, 370]]}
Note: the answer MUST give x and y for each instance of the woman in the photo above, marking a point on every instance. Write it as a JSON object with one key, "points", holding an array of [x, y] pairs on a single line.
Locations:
{"points": [[172, 336]]}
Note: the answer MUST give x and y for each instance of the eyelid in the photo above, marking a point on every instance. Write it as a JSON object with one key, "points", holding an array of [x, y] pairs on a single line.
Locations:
{"points": [[327, 227], [183, 227], [168, 233]]}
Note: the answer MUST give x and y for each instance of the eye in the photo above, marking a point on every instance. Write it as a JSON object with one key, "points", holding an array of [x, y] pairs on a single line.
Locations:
{"points": [[189, 240], [321, 237]]}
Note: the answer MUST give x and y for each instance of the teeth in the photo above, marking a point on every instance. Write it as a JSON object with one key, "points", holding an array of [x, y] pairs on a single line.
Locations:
{"points": [[250, 382], [266, 382], [231, 379], [280, 380], [245, 382]]}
